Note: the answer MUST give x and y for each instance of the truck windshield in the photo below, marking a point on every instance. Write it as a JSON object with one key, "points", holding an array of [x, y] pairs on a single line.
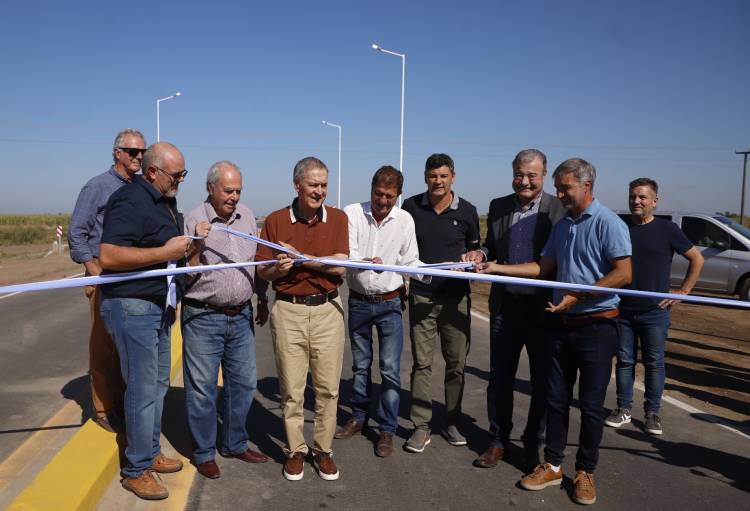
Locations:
{"points": [[744, 231]]}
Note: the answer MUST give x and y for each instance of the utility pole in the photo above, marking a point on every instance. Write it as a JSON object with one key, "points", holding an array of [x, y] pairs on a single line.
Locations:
{"points": [[744, 176]]}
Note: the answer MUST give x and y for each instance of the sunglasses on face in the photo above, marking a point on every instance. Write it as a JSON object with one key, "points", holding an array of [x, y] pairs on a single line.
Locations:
{"points": [[174, 177], [132, 151]]}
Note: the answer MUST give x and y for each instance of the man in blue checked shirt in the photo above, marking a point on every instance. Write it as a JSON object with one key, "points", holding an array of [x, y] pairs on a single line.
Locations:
{"points": [[84, 235]]}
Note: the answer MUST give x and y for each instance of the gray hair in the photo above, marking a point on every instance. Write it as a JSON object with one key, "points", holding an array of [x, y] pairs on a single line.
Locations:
{"points": [[580, 168], [214, 173], [155, 155], [305, 164], [121, 135], [529, 155]]}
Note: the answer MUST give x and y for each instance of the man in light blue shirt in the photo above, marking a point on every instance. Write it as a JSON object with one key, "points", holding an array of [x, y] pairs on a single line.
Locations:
{"points": [[84, 236], [591, 245]]}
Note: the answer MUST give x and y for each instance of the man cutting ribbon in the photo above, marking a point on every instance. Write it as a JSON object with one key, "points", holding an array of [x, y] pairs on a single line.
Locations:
{"points": [[143, 231]]}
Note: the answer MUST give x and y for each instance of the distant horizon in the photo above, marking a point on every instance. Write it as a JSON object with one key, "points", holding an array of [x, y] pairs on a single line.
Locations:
{"points": [[654, 89]]}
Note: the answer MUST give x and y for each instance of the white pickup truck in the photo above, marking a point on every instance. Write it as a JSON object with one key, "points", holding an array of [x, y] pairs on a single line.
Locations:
{"points": [[725, 246]]}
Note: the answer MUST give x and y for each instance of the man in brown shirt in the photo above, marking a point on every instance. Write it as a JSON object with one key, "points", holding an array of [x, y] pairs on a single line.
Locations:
{"points": [[307, 318]]}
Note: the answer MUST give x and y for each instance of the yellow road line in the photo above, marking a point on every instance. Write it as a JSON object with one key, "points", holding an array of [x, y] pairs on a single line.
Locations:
{"points": [[78, 475]]}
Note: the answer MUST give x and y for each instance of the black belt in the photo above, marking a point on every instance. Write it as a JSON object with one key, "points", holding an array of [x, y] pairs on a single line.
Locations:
{"points": [[229, 310], [318, 299]]}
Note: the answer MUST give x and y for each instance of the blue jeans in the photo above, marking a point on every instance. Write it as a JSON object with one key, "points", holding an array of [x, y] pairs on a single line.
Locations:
{"points": [[211, 338], [386, 317], [649, 329], [140, 330], [587, 350], [511, 329]]}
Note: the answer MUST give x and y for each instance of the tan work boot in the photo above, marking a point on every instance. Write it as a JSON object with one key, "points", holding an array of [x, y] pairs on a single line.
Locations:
{"points": [[164, 465], [147, 486], [585, 492], [541, 477]]}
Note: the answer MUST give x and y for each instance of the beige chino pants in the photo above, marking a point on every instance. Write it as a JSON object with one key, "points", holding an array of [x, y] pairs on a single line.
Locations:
{"points": [[308, 338]]}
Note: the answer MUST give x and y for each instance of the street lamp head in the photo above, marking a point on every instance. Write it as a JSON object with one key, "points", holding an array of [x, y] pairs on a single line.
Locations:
{"points": [[325, 122], [178, 93], [375, 46]]}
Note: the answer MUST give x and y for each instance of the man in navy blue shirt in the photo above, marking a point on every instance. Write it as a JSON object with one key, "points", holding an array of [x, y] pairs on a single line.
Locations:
{"points": [[84, 235], [645, 321], [143, 231]]}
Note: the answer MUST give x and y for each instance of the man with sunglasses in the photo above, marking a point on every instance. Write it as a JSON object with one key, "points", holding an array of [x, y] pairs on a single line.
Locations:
{"points": [[142, 231], [84, 234]]}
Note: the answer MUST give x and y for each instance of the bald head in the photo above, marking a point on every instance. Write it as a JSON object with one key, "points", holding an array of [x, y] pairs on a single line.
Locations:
{"points": [[164, 167]]}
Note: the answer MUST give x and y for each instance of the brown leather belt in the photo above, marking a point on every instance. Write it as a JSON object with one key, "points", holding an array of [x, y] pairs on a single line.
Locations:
{"points": [[229, 310], [587, 319], [376, 298], [311, 300]]}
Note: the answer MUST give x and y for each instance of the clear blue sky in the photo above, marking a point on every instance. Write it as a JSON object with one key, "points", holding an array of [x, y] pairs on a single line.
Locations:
{"points": [[638, 88]]}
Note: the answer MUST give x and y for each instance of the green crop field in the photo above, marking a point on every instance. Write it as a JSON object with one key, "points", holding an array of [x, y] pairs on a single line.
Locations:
{"points": [[31, 229]]}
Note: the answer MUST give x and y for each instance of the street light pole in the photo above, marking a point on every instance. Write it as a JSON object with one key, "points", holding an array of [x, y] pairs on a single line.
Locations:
{"points": [[157, 111], [403, 87], [744, 176], [338, 197]]}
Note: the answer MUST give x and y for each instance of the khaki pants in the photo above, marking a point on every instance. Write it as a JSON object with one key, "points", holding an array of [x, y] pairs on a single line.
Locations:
{"points": [[107, 387], [447, 319], [308, 337]]}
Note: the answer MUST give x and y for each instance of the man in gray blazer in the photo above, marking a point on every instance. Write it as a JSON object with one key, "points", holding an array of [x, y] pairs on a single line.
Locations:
{"points": [[518, 226]]}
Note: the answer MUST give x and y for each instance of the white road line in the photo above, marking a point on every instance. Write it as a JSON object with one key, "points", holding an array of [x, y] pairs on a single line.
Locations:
{"points": [[676, 402], [19, 292]]}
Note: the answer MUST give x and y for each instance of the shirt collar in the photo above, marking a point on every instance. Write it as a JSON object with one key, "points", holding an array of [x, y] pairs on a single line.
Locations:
{"points": [[531, 206], [424, 201], [153, 192], [591, 210], [117, 174], [294, 212], [212, 215], [367, 208]]}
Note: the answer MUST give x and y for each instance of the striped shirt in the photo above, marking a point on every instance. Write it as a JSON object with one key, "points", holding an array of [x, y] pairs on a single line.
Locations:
{"points": [[225, 287]]}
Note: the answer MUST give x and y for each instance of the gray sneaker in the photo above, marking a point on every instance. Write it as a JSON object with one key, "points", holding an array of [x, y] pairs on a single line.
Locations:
{"points": [[653, 423], [618, 417], [452, 435], [418, 440]]}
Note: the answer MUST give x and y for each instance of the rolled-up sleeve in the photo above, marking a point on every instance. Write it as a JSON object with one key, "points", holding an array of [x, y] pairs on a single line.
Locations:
{"points": [[82, 224]]}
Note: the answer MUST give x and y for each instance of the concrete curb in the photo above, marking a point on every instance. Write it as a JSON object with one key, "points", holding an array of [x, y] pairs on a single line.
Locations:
{"points": [[77, 477]]}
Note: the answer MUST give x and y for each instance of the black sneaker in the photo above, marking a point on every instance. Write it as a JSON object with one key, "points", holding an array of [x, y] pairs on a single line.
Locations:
{"points": [[653, 423], [618, 417]]}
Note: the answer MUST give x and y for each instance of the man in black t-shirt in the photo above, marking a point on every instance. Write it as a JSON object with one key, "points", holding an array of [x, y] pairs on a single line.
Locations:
{"points": [[447, 227], [645, 321]]}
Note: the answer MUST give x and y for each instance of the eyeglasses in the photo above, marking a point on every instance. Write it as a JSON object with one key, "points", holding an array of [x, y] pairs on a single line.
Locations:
{"points": [[174, 177], [132, 151]]}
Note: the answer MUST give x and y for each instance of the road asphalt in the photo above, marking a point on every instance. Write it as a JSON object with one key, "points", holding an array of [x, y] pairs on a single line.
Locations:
{"points": [[696, 464]]}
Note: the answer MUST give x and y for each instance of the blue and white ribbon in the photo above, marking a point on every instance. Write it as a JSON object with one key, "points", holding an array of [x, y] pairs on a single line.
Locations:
{"points": [[435, 270]]}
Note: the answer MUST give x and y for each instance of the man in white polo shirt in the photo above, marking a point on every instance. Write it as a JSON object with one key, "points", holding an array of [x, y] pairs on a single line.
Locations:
{"points": [[383, 234]]}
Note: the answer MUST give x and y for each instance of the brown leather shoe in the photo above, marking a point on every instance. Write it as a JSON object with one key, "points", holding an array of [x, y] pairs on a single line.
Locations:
{"points": [[325, 466], [249, 456], [294, 467], [384, 447], [209, 469], [584, 489], [164, 465], [489, 458], [348, 430], [147, 486]]}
